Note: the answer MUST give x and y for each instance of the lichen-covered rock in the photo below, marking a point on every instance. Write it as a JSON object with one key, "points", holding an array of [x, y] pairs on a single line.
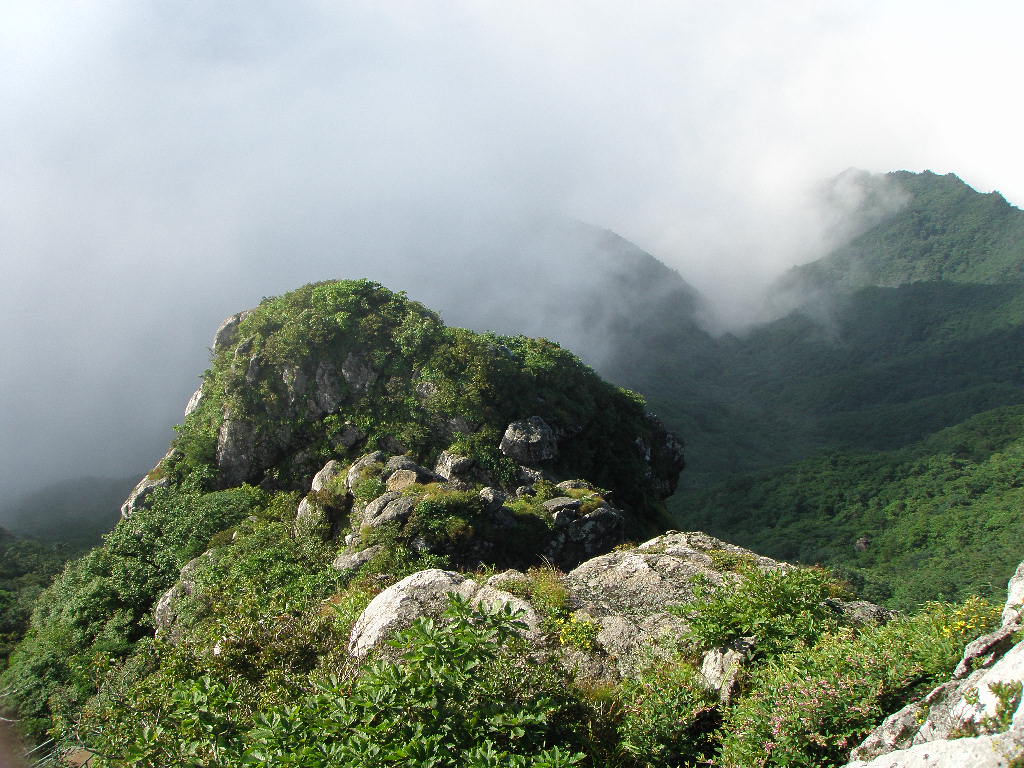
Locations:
{"points": [[529, 442], [426, 593]]}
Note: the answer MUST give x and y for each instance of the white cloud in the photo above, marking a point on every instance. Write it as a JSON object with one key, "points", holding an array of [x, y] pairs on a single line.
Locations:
{"points": [[166, 163]]}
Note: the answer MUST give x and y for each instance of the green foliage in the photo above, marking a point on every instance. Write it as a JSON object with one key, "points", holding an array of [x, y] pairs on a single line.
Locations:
{"points": [[668, 716], [462, 695], [101, 603], [942, 517], [779, 607], [578, 631], [810, 706]]}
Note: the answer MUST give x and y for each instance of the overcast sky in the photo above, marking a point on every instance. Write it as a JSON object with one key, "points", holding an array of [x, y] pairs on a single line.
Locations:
{"points": [[165, 163]]}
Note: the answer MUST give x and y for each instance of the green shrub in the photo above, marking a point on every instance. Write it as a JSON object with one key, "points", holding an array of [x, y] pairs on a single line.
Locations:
{"points": [[779, 607], [809, 707], [668, 716]]}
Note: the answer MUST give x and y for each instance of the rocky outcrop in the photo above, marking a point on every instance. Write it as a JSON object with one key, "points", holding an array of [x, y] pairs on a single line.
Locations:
{"points": [[624, 595], [628, 592], [227, 334], [721, 667], [529, 442], [141, 495], [165, 613], [578, 536], [974, 719], [427, 593]]}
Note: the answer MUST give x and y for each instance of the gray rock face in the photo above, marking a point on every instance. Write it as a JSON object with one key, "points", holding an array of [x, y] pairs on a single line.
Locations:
{"points": [[425, 593], [358, 373], [165, 613], [351, 561], [721, 667], [925, 732], [329, 393], [1014, 597], [227, 333], [330, 471], [529, 442], [194, 401], [236, 451], [629, 591], [141, 494]]}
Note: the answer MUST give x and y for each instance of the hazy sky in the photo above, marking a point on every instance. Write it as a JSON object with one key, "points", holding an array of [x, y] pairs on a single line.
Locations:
{"points": [[167, 163]]}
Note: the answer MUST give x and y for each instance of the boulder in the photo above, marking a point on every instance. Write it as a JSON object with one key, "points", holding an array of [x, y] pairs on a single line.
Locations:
{"points": [[721, 667], [492, 497], [392, 507], [351, 561], [426, 593], [529, 442], [629, 591], [330, 471], [359, 465]]}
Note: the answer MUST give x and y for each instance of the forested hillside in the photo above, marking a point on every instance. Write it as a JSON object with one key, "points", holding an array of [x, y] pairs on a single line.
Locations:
{"points": [[941, 518], [913, 326]]}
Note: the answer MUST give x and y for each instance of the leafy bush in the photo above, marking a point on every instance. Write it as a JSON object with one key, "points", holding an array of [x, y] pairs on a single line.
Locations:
{"points": [[462, 696], [668, 716], [810, 706], [780, 607]]}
